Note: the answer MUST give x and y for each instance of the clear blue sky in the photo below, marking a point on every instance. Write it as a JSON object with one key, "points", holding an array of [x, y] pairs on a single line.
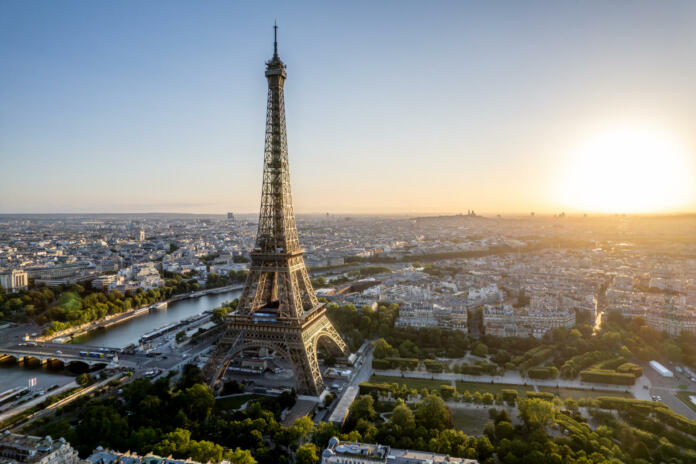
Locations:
{"points": [[394, 106]]}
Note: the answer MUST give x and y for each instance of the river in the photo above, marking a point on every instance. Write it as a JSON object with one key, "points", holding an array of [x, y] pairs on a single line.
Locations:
{"points": [[118, 336]]}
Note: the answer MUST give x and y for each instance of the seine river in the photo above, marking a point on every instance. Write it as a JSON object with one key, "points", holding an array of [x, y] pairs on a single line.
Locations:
{"points": [[117, 336]]}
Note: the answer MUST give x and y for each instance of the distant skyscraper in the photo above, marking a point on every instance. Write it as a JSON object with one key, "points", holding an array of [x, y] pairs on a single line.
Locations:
{"points": [[230, 216], [278, 310]]}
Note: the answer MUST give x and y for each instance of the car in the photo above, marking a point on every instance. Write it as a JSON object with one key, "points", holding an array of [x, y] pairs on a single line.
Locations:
{"points": [[59, 352]]}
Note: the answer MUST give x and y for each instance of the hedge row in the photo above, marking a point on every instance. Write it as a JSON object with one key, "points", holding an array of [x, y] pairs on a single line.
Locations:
{"points": [[537, 355], [368, 387], [395, 363], [610, 364], [670, 417], [434, 366], [630, 368], [509, 395], [542, 372], [447, 391], [627, 404], [478, 369], [605, 376], [541, 395]]}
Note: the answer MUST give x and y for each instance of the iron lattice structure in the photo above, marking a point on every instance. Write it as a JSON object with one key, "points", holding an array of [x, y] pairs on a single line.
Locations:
{"points": [[278, 311]]}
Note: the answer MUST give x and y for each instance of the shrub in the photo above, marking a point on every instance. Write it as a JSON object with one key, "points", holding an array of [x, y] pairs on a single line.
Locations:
{"points": [[447, 391], [606, 376], [541, 395], [546, 372], [509, 395], [630, 368], [434, 366]]}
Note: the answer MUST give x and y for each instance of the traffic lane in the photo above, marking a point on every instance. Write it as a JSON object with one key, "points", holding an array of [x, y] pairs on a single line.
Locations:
{"points": [[670, 399]]}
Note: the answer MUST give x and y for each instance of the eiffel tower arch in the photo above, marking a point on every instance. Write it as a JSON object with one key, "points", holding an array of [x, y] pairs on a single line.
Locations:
{"points": [[278, 310]]}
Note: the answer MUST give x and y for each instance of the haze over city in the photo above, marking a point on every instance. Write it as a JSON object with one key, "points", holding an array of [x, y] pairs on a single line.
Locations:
{"points": [[391, 107]]}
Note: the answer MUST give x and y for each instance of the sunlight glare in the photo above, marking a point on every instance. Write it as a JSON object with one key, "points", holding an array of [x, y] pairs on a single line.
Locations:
{"points": [[628, 170]]}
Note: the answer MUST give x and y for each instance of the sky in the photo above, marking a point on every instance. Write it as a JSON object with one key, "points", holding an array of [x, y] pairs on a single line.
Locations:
{"points": [[392, 106]]}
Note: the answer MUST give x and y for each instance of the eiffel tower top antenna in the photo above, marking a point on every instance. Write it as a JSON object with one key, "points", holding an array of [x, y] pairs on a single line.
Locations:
{"points": [[275, 39]]}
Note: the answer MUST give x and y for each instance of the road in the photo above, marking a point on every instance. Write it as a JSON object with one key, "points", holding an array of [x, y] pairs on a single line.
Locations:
{"points": [[667, 388]]}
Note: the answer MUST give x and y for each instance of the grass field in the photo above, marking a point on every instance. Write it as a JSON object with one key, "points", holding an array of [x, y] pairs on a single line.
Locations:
{"points": [[418, 384], [577, 393], [470, 421], [235, 402], [684, 396]]}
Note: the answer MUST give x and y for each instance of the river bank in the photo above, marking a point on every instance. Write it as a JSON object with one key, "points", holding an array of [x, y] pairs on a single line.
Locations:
{"points": [[108, 321]]}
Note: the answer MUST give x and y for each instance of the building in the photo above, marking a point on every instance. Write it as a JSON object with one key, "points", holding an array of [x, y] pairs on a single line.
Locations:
{"points": [[102, 456], [506, 321], [672, 320], [14, 281], [64, 274], [15, 448], [338, 452]]}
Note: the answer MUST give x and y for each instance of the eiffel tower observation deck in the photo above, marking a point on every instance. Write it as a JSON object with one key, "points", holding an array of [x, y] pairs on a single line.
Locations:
{"points": [[278, 311]]}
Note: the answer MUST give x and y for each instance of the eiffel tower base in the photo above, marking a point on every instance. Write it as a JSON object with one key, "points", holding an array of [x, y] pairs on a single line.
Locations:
{"points": [[296, 344]]}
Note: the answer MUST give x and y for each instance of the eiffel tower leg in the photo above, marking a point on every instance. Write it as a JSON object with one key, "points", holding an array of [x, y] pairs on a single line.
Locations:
{"points": [[214, 369], [306, 366], [328, 331]]}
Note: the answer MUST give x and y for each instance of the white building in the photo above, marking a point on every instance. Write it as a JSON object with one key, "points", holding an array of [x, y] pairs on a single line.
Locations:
{"points": [[14, 281], [338, 452], [15, 448]]}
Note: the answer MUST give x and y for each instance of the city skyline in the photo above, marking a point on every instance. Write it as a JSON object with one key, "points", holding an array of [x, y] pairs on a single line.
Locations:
{"points": [[157, 108]]}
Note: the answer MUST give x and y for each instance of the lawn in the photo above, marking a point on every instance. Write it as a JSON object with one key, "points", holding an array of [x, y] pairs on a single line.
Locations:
{"points": [[418, 384], [684, 396], [577, 393], [470, 421], [235, 402]]}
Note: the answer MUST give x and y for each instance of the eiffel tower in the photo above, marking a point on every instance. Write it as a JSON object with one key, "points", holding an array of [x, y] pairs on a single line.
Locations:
{"points": [[278, 311]]}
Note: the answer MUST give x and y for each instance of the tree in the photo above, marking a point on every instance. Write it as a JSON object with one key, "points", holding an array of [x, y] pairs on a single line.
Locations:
{"points": [[432, 413], [190, 375], [307, 454], [197, 402], [402, 415], [302, 428], [240, 456], [536, 413], [181, 336], [480, 350], [384, 349], [362, 408], [83, 379]]}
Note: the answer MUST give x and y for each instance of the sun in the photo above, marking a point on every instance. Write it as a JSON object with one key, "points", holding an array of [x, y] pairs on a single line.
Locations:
{"points": [[628, 170]]}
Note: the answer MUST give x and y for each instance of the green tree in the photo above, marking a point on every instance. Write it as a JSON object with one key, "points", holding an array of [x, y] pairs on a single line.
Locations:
{"points": [[432, 413], [362, 408], [384, 349], [307, 454], [480, 350], [402, 415], [83, 379], [536, 413]]}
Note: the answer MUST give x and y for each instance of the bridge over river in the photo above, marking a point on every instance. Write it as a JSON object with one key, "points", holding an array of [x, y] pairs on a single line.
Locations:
{"points": [[48, 353]]}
